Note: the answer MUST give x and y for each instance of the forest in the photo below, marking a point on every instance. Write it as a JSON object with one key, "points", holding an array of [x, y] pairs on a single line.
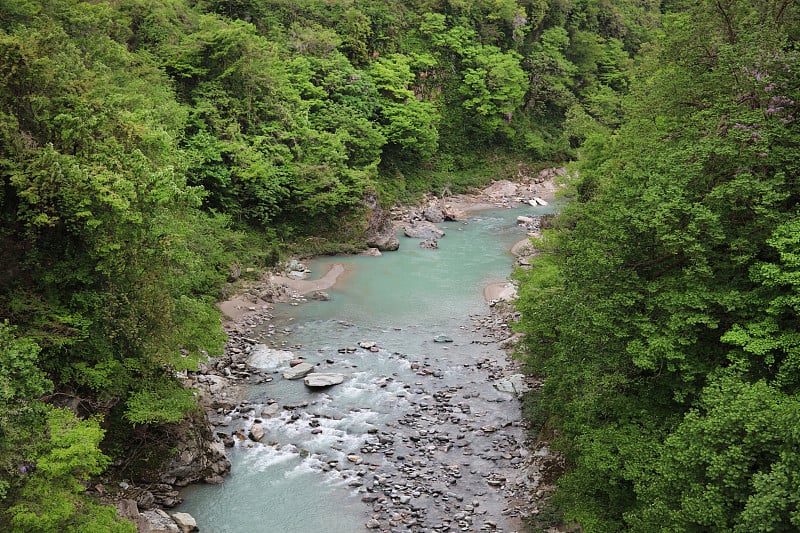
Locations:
{"points": [[150, 151]]}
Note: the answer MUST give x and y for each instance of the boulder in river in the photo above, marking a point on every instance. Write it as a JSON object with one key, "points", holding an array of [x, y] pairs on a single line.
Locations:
{"points": [[422, 230], [384, 241], [442, 338], [298, 371], [257, 432], [268, 359], [185, 521], [321, 380], [433, 214]]}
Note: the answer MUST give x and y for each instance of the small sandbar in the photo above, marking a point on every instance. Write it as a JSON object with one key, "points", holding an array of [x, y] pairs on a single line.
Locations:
{"points": [[500, 291], [305, 286]]}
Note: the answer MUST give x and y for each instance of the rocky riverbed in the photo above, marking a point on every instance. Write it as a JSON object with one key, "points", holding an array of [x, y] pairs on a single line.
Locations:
{"points": [[458, 458]]}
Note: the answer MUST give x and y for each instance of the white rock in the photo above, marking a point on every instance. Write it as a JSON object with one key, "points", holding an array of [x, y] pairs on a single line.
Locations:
{"points": [[267, 358], [318, 379], [257, 432], [514, 384], [185, 521], [298, 371]]}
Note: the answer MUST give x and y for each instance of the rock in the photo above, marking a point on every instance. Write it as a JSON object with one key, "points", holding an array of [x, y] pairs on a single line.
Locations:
{"points": [[319, 296], [200, 454], [320, 380], [267, 358], [128, 510], [433, 214], [185, 522], [429, 244], [384, 242], [539, 201], [298, 371], [373, 252], [514, 384], [257, 432], [268, 411], [158, 521], [367, 344], [145, 500], [451, 213], [522, 248], [294, 362], [442, 338], [422, 230], [524, 221], [372, 524]]}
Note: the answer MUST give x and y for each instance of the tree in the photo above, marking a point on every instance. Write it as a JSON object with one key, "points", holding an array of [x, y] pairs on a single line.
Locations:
{"points": [[51, 497], [669, 324], [494, 85]]}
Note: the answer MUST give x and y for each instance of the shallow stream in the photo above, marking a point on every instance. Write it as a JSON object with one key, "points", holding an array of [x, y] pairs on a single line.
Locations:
{"points": [[406, 414]]}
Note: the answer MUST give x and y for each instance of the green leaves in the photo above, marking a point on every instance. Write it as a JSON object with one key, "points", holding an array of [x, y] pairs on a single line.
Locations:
{"points": [[51, 497], [160, 405], [714, 469], [675, 310], [494, 85]]}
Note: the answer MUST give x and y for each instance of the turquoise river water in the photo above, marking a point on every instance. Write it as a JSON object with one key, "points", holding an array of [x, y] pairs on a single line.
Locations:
{"points": [[299, 480]]}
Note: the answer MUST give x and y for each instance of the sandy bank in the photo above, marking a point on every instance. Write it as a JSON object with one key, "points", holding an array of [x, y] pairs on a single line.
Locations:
{"points": [[305, 286], [246, 302], [502, 290]]}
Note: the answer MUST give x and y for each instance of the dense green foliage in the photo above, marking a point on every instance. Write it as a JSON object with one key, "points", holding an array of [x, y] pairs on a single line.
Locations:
{"points": [[663, 311], [146, 148]]}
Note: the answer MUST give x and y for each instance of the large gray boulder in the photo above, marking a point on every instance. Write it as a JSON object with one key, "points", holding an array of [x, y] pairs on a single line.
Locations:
{"points": [[257, 432], [422, 230], [433, 214], [299, 371], [514, 384], [268, 359], [185, 521], [200, 454], [384, 242]]}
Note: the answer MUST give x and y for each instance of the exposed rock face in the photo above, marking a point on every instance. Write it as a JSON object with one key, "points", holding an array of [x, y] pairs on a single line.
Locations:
{"points": [[201, 455], [380, 230], [185, 522], [216, 391], [514, 384], [500, 189]]}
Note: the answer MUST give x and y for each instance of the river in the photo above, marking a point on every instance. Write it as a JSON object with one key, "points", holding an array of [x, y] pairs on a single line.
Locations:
{"points": [[416, 438]]}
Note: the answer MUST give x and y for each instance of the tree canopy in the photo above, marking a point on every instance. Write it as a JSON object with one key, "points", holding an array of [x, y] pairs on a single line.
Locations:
{"points": [[662, 311]]}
